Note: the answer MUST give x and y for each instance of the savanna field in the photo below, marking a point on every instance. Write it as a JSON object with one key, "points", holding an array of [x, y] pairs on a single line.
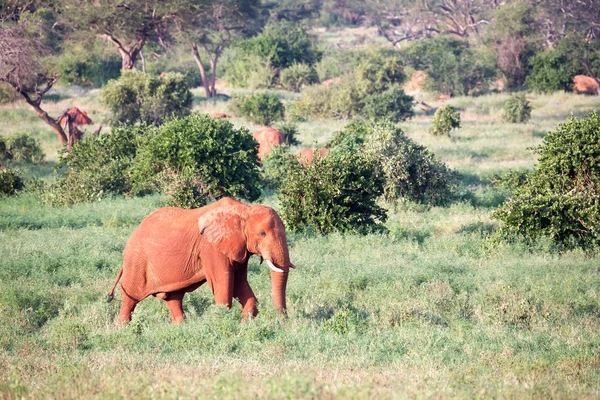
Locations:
{"points": [[482, 282], [430, 309]]}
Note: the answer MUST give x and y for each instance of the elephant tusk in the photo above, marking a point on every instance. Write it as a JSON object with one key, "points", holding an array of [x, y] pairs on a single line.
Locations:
{"points": [[273, 267]]}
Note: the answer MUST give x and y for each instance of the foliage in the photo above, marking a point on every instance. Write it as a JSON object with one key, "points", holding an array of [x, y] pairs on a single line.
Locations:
{"points": [[561, 198], [11, 182], [260, 108], [410, 171], [86, 65], [276, 166], [445, 119], [334, 193], [21, 147], [289, 130], [551, 70], [452, 67], [284, 44], [392, 104], [248, 71], [296, 76], [210, 158], [97, 166], [138, 97], [517, 109]]}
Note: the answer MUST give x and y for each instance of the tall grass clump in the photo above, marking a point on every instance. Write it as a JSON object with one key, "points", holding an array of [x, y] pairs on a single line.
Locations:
{"points": [[561, 198]]}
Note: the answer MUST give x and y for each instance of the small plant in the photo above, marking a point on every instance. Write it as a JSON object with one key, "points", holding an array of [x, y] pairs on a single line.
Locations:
{"points": [[345, 321], [445, 119], [296, 76], [561, 198], [139, 97], [10, 182], [334, 193], [517, 109], [289, 130], [392, 104], [21, 147], [260, 108]]}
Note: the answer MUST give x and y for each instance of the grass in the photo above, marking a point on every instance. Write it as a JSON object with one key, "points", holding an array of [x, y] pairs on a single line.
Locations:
{"points": [[430, 309]]}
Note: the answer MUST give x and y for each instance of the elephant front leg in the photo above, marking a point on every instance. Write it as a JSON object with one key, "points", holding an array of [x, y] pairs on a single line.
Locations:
{"points": [[243, 292]]}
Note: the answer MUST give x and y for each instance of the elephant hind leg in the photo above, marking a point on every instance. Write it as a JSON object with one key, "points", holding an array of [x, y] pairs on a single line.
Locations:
{"points": [[127, 306], [174, 302]]}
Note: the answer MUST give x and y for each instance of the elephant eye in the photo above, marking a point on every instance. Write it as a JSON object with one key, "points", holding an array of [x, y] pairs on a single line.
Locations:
{"points": [[262, 233]]}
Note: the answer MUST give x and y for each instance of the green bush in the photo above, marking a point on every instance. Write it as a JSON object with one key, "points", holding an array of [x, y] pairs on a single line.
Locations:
{"points": [[452, 67], [21, 147], [210, 157], [551, 71], [248, 70], [10, 182], [289, 130], [409, 170], [97, 166], [139, 97], [560, 199], [296, 76], [392, 104], [260, 108], [284, 44], [276, 166], [517, 109], [334, 193], [86, 65], [445, 119], [7, 94]]}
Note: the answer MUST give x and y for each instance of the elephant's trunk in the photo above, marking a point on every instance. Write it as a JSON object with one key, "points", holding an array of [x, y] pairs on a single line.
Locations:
{"points": [[279, 282]]}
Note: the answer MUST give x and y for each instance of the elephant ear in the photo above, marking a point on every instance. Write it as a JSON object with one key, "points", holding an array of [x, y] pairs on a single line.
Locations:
{"points": [[225, 229]]}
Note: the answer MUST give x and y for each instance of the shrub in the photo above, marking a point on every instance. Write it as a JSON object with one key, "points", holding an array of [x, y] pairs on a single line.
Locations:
{"points": [[392, 104], [410, 171], [445, 119], [210, 157], [517, 109], [284, 44], [10, 182], [7, 94], [85, 65], [296, 76], [139, 97], [276, 166], [334, 193], [452, 67], [97, 166], [248, 70], [561, 197], [260, 108], [289, 130], [21, 147], [551, 71]]}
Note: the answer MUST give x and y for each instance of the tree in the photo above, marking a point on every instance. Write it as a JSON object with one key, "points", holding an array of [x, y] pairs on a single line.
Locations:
{"points": [[211, 26], [127, 24], [21, 68]]}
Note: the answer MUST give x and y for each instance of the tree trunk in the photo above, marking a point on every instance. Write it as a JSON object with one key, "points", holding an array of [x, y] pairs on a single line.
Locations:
{"points": [[202, 71], [43, 115], [213, 78]]}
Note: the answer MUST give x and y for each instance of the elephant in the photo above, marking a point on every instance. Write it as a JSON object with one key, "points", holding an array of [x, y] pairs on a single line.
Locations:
{"points": [[267, 138], [174, 251]]}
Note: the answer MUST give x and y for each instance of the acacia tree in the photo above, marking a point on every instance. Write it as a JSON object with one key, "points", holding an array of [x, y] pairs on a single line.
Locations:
{"points": [[211, 26], [127, 24], [22, 70]]}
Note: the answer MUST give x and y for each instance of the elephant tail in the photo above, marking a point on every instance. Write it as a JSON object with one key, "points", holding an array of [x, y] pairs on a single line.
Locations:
{"points": [[111, 294]]}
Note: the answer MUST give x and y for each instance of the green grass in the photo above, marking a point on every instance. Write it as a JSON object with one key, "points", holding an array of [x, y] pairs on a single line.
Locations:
{"points": [[430, 309]]}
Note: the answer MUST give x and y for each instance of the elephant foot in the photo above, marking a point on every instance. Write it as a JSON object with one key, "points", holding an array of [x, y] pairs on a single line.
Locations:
{"points": [[179, 320]]}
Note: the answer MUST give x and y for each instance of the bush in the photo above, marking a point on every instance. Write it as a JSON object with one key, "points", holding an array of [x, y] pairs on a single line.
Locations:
{"points": [[284, 44], [7, 94], [139, 97], [560, 199], [10, 182], [260, 108], [296, 76], [97, 166], [248, 70], [392, 104], [445, 119], [86, 65], [334, 193], [517, 109], [21, 147], [276, 166], [209, 157], [551, 71], [452, 67], [289, 130], [410, 171]]}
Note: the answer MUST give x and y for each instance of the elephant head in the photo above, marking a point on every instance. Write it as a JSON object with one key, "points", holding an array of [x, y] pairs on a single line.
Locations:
{"points": [[239, 230]]}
